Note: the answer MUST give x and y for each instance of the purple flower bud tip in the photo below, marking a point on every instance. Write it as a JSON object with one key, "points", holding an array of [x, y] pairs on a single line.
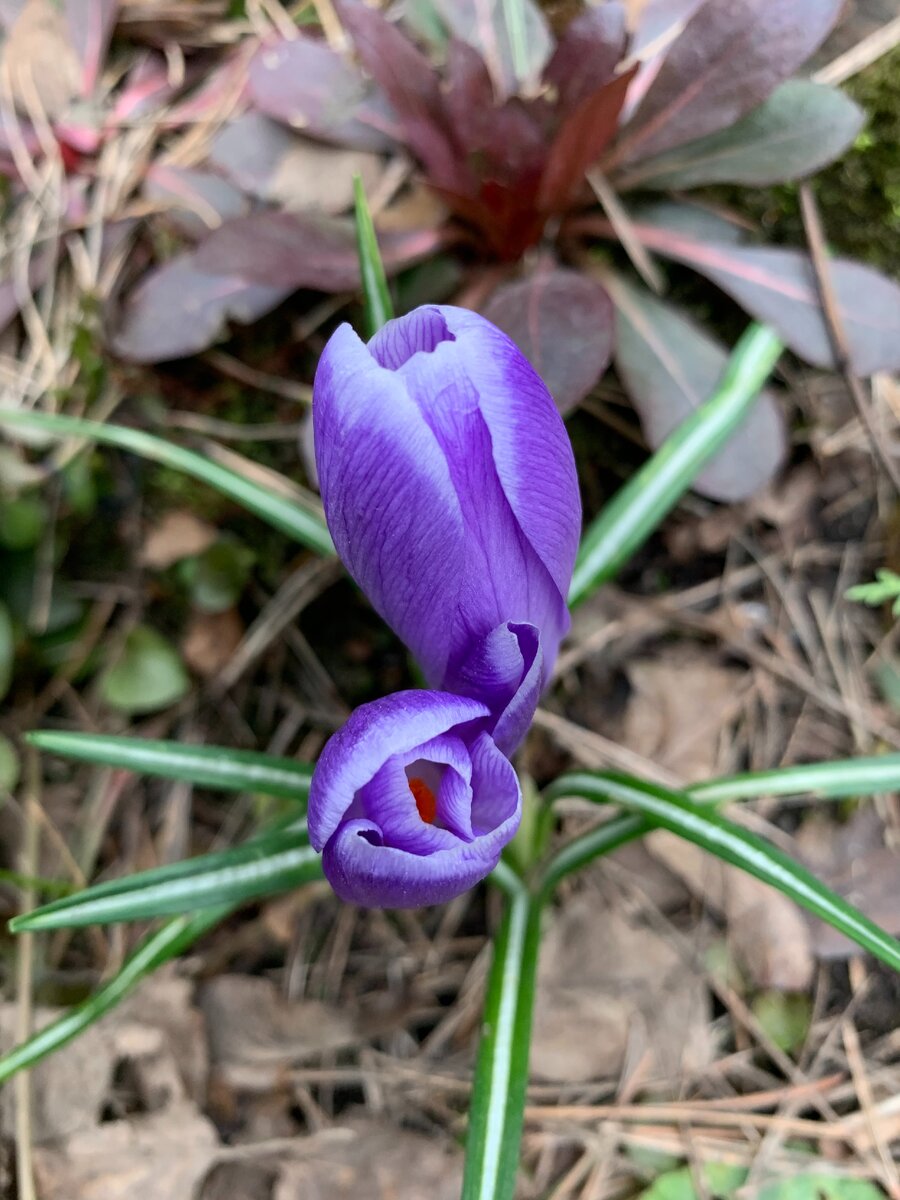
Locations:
{"points": [[450, 491], [412, 802]]}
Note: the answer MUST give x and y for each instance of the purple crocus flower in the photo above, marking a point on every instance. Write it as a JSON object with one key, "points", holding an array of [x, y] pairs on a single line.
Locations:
{"points": [[411, 803], [450, 491]]}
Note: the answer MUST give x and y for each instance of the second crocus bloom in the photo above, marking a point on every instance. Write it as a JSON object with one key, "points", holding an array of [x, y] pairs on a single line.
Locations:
{"points": [[450, 491]]}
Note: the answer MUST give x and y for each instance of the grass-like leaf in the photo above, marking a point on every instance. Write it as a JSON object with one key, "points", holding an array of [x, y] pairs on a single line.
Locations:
{"points": [[205, 766], [305, 525], [267, 865], [680, 814], [639, 507], [175, 937], [501, 1071], [379, 309]]}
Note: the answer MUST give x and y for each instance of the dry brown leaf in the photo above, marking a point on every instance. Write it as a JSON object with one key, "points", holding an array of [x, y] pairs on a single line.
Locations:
{"points": [[319, 179], [68, 1089], [853, 859], [177, 534], [610, 990], [239, 1181], [254, 1033], [376, 1162], [163, 1156], [210, 640], [164, 1035], [682, 700], [39, 63]]}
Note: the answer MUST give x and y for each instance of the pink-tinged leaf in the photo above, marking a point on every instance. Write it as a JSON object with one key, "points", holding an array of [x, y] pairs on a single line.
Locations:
{"points": [[730, 56], [588, 53], [196, 201], [583, 136], [800, 128], [485, 25], [779, 288], [221, 90], [311, 88], [504, 140], [413, 90], [562, 321], [178, 309], [658, 23], [670, 366], [299, 250], [147, 86], [91, 24]]}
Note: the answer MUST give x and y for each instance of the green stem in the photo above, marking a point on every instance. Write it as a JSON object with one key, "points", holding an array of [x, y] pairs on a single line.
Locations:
{"points": [[501, 1072], [637, 509]]}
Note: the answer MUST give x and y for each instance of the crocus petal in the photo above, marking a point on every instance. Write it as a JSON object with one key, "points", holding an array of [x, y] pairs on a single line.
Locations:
{"points": [[390, 503], [378, 848], [505, 671], [393, 725]]}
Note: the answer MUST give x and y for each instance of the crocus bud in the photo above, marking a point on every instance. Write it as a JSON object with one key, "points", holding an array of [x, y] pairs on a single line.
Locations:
{"points": [[412, 802], [450, 491]]}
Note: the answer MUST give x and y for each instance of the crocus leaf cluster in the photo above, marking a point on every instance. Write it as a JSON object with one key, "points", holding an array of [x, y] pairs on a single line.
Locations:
{"points": [[450, 491]]}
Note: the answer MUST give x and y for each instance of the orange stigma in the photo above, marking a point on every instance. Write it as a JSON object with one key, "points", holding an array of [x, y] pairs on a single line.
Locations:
{"points": [[425, 799]]}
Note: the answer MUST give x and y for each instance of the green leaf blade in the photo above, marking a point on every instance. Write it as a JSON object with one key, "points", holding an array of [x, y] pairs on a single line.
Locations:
{"points": [[678, 813], [204, 766], [379, 309]]}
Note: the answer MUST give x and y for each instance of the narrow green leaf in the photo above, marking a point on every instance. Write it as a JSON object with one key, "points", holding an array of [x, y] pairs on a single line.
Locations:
{"points": [[204, 766], [678, 813], [840, 780], [639, 507], [305, 525], [501, 1071], [265, 866], [158, 948], [379, 309]]}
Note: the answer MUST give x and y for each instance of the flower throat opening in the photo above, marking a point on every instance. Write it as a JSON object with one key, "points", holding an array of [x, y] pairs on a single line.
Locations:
{"points": [[426, 801]]}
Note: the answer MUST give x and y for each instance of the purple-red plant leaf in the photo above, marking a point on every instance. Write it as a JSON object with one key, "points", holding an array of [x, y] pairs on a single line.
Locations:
{"points": [[659, 22], [196, 201], [413, 90], [779, 288], [583, 136], [588, 53], [562, 321], [730, 56], [800, 128], [485, 25], [504, 140], [179, 309], [670, 365], [300, 250], [267, 160], [90, 28], [313, 89]]}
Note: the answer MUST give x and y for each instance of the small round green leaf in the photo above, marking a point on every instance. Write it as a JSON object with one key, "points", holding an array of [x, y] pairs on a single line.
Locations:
{"points": [[148, 675]]}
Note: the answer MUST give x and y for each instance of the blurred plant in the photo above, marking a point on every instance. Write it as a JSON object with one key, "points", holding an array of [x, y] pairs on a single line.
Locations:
{"points": [[527, 146], [883, 589]]}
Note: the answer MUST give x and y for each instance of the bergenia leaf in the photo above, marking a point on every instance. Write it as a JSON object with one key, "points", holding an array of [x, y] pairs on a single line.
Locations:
{"points": [[90, 28], [779, 287], [196, 201], [180, 309], [586, 56], [800, 128], [412, 87], [658, 22], [294, 250], [670, 366], [512, 36], [296, 174], [562, 320], [584, 134], [313, 89], [730, 56]]}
